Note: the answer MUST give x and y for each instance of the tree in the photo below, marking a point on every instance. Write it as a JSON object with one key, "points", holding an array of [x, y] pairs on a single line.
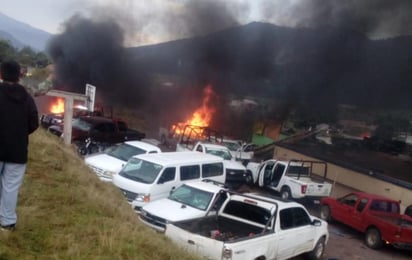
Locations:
{"points": [[27, 56], [7, 51]]}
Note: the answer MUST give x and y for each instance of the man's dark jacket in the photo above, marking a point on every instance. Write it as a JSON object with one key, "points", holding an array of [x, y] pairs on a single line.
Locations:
{"points": [[18, 119]]}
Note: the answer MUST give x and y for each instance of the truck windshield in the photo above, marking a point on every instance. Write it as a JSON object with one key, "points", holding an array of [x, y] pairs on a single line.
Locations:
{"points": [[81, 124], [124, 151], [225, 154], [192, 197], [141, 171], [233, 146]]}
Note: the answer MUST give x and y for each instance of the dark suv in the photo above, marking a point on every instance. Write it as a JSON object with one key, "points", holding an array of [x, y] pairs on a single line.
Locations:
{"points": [[99, 129]]}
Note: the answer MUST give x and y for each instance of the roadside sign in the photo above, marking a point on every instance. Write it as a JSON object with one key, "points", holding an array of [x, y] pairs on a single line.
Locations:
{"points": [[90, 94]]}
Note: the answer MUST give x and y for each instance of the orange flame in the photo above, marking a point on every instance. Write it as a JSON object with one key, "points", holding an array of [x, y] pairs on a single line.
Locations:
{"points": [[58, 106], [202, 115]]}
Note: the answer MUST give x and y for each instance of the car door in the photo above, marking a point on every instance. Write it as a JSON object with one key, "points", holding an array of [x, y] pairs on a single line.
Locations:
{"points": [[297, 232], [265, 173], [99, 133], [165, 184], [345, 209], [355, 220]]}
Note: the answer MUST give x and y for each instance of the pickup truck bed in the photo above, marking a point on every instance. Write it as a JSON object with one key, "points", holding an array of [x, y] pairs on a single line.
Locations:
{"points": [[228, 229], [251, 226]]}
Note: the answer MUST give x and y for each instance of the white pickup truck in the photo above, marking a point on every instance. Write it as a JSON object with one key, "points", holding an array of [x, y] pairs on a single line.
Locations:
{"points": [[190, 200], [253, 227], [294, 179], [236, 173]]}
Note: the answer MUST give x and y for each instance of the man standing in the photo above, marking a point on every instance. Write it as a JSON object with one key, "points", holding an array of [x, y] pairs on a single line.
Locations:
{"points": [[18, 119]]}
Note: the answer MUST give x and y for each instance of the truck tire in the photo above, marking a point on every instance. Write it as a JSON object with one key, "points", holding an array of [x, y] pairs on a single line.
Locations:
{"points": [[325, 213], [318, 250], [373, 238], [285, 193]]}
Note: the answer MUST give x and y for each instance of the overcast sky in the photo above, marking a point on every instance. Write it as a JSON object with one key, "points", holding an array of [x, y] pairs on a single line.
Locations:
{"points": [[160, 20]]}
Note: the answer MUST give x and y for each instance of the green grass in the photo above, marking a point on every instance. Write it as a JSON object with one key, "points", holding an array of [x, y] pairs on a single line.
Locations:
{"points": [[66, 212]]}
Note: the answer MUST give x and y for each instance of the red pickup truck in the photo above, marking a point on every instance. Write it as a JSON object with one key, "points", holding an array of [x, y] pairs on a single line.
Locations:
{"points": [[379, 218]]}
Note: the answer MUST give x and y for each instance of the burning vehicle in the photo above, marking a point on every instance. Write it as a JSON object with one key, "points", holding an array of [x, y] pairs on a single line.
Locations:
{"points": [[56, 115]]}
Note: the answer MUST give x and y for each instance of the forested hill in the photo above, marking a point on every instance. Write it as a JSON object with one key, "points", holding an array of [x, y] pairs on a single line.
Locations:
{"points": [[322, 66]]}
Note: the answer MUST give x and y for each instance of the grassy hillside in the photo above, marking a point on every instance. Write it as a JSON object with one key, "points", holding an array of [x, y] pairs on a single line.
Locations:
{"points": [[66, 212]]}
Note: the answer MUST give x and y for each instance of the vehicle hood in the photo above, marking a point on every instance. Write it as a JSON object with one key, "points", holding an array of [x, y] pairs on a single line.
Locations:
{"points": [[172, 210], [234, 165], [105, 162]]}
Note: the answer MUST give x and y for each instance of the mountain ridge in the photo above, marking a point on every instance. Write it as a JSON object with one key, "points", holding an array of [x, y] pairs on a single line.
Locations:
{"points": [[24, 33]]}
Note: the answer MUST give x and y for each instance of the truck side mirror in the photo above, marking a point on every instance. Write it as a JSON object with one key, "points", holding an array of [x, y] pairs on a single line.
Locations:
{"points": [[316, 223]]}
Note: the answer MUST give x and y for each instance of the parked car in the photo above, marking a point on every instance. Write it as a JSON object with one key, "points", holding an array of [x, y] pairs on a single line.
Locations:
{"points": [[149, 177], [190, 200], [377, 217], [111, 161]]}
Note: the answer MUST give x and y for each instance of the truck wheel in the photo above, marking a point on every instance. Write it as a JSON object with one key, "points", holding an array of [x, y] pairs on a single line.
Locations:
{"points": [[318, 250], [373, 238], [325, 213], [285, 193]]}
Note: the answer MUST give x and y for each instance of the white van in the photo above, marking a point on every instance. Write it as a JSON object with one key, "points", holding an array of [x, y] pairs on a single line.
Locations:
{"points": [[149, 177]]}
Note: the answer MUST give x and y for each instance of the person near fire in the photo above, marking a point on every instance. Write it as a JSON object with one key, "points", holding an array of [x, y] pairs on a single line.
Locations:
{"points": [[19, 118]]}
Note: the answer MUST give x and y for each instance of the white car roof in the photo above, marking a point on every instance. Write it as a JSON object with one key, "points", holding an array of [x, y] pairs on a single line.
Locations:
{"points": [[143, 145], [184, 158]]}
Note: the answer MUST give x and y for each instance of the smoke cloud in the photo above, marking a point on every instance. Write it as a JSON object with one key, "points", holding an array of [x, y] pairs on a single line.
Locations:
{"points": [[92, 52], [374, 18], [95, 50]]}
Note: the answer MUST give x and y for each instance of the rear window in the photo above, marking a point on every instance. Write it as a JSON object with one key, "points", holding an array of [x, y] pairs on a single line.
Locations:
{"points": [[384, 206], [247, 211], [299, 170]]}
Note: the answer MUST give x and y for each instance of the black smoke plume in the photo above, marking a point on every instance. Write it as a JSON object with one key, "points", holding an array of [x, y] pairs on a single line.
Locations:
{"points": [[92, 52], [374, 18]]}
